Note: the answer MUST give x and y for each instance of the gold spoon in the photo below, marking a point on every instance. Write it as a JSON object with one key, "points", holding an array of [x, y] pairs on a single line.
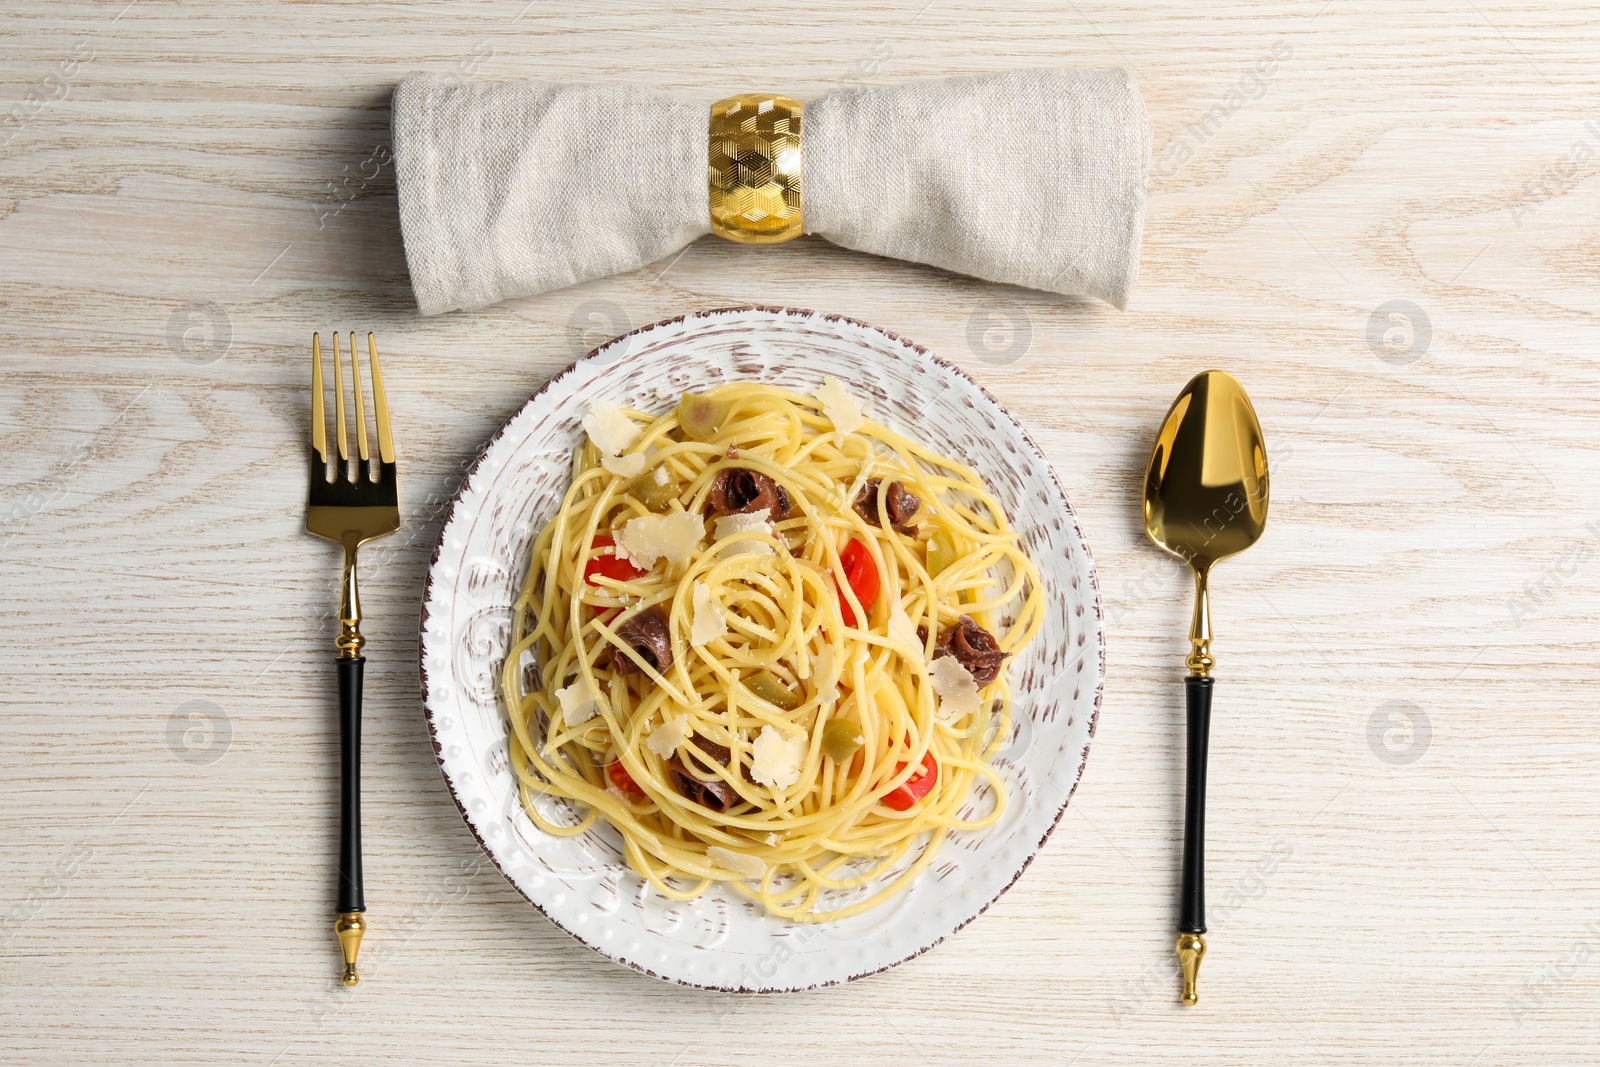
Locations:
{"points": [[1205, 498]]}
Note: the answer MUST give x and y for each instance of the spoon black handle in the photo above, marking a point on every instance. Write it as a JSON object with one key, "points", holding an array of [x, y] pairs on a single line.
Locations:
{"points": [[1192, 902]]}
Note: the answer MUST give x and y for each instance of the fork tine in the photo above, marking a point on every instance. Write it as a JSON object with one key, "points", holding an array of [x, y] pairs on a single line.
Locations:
{"points": [[380, 405], [338, 392], [361, 404], [319, 418]]}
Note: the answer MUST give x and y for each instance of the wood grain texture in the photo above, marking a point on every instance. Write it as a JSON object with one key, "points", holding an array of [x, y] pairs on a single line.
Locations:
{"points": [[175, 175]]}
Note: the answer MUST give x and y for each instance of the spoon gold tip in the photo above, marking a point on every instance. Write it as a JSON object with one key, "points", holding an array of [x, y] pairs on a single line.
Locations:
{"points": [[349, 927], [1191, 949]]}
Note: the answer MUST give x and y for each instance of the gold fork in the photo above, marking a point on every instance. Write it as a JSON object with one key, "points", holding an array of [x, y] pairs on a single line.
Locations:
{"points": [[350, 507]]}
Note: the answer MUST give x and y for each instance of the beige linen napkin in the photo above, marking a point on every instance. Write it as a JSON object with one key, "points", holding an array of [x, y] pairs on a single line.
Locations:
{"points": [[1030, 177]]}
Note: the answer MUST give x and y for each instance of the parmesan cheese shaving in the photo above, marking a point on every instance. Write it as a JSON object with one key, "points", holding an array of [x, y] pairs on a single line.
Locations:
{"points": [[665, 739], [755, 522], [773, 839], [609, 427], [957, 690], [776, 759], [647, 538], [734, 527], [826, 672], [629, 466], [840, 407], [577, 702], [901, 630], [737, 862], [708, 623]]}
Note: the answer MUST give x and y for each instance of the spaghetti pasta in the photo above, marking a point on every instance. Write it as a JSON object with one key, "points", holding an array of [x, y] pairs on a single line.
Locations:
{"points": [[758, 639]]}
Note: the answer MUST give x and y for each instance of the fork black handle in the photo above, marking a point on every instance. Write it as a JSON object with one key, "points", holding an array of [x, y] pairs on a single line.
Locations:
{"points": [[351, 895], [1192, 899]]}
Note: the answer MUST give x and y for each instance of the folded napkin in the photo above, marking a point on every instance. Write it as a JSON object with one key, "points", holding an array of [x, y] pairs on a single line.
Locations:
{"points": [[1031, 177]]}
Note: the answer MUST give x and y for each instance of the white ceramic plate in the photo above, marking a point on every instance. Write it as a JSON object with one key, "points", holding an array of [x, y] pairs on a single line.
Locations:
{"points": [[722, 941]]}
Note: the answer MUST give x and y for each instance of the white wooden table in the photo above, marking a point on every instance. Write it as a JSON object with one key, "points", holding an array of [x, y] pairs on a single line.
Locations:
{"points": [[1403, 799]]}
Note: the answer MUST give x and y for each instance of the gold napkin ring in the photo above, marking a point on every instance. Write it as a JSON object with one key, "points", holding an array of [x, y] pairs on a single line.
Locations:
{"points": [[755, 163]]}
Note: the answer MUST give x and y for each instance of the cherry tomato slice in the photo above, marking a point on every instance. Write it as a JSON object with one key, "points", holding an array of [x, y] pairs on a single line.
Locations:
{"points": [[619, 777], [619, 570], [916, 787], [862, 574]]}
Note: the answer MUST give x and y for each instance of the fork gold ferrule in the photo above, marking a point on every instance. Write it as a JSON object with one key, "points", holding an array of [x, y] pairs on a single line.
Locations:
{"points": [[349, 641]]}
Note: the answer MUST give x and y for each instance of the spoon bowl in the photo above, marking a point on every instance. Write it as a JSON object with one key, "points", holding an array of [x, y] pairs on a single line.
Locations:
{"points": [[1206, 488]]}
